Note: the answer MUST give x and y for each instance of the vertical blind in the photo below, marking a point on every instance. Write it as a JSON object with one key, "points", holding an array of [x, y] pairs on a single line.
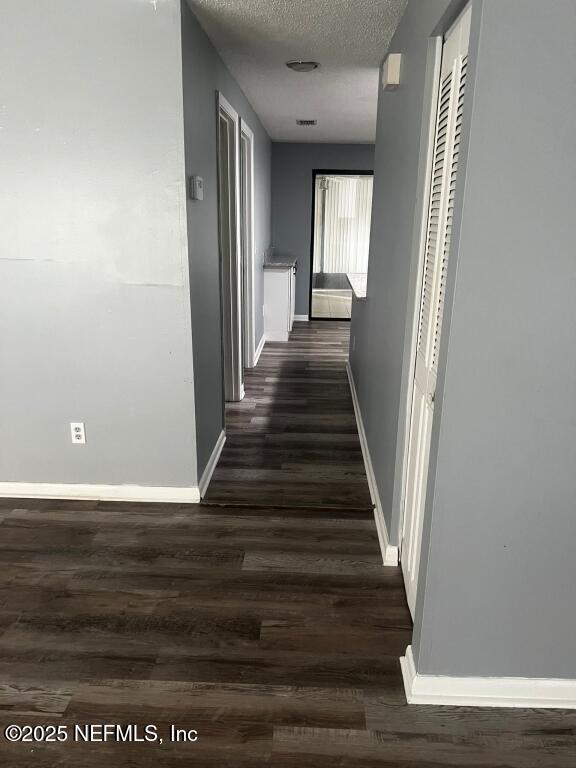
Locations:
{"points": [[343, 206]]}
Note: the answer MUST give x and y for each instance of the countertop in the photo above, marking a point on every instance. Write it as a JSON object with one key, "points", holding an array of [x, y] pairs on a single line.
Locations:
{"points": [[280, 262], [358, 282]]}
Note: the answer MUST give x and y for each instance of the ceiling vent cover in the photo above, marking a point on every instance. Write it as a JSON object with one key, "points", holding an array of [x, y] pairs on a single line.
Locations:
{"points": [[306, 122], [299, 65]]}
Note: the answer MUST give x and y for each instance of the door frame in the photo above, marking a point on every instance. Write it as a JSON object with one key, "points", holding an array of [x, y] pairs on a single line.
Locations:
{"points": [[325, 172], [230, 261], [247, 219]]}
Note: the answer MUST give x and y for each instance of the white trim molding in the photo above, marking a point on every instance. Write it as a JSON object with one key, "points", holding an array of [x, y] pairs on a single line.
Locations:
{"points": [[259, 349], [211, 465], [230, 242], [247, 241], [85, 492], [389, 552], [301, 318], [485, 691]]}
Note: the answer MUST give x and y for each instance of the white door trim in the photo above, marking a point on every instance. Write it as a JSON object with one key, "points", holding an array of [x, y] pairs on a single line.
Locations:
{"points": [[485, 691], [231, 296], [247, 191]]}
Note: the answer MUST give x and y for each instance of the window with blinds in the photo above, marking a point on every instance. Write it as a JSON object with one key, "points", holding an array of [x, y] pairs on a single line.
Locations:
{"points": [[343, 207]]}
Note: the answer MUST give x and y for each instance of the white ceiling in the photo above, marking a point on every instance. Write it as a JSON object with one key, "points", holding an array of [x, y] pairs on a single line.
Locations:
{"points": [[348, 37]]}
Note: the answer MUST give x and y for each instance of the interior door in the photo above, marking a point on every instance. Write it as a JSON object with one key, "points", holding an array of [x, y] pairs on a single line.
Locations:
{"points": [[432, 291]]}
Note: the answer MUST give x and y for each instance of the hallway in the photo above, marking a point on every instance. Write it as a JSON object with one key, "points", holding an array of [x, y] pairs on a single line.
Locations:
{"points": [[268, 630], [292, 441], [274, 632]]}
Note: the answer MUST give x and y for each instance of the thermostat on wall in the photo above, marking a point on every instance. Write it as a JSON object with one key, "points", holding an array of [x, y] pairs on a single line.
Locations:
{"points": [[391, 71], [196, 190]]}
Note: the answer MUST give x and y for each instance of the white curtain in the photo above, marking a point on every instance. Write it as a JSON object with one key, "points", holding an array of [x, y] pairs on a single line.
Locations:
{"points": [[342, 223]]}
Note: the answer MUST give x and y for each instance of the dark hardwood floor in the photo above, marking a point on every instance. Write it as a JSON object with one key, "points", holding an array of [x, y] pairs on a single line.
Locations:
{"points": [[274, 632], [292, 441]]}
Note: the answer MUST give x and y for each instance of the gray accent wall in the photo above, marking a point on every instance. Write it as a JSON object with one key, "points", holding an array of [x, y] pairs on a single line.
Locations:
{"points": [[292, 166], [497, 595], [381, 325], [204, 75], [495, 592], [94, 294]]}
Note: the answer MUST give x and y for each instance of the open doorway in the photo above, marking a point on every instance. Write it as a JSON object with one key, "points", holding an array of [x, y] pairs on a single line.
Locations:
{"points": [[230, 249], [236, 231], [341, 211]]}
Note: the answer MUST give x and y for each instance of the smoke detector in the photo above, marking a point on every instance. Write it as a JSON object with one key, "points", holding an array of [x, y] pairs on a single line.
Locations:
{"points": [[298, 65]]}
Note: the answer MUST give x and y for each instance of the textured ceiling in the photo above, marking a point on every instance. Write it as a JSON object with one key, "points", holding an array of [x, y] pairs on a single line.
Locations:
{"points": [[348, 37]]}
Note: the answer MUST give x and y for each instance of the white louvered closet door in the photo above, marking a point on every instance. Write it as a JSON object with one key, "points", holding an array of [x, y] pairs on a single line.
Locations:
{"points": [[433, 287]]}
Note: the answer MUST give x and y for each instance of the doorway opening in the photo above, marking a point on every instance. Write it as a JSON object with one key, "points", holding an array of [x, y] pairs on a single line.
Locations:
{"points": [[341, 212], [236, 233]]}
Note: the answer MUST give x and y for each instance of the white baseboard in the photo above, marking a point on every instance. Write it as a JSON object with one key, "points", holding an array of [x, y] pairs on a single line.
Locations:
{"points": [[485, 691], [259, 349], [389, 552], [301, 318], [84, 492], [211, 466]]}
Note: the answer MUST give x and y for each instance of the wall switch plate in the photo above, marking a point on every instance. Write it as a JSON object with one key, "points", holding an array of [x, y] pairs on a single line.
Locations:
{"points": [[78, 432], [196, 188]]}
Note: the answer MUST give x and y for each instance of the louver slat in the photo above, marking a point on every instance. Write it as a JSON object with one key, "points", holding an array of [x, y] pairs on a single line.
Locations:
{"points": [[434, 213], [443, 266]]}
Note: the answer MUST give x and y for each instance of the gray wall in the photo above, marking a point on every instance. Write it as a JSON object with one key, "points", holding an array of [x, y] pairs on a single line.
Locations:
{"points": [[501, 524], [292, 166], [381, 325], [94, 295], [204, 74]]}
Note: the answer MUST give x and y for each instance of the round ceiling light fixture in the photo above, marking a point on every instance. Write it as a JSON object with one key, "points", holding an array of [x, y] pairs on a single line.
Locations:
{"points": [[298, 65]]}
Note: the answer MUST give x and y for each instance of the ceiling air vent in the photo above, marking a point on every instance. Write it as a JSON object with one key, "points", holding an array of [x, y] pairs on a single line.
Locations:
{"points": [[299, 65], [306, 122]]}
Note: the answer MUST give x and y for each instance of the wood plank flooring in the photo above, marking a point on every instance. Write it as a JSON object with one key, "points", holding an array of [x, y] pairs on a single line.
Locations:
{"points": [[274, 632], [292, 441]]}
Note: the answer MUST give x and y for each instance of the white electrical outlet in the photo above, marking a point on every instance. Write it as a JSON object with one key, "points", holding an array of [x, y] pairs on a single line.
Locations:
{"points": [[78, 432]]}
